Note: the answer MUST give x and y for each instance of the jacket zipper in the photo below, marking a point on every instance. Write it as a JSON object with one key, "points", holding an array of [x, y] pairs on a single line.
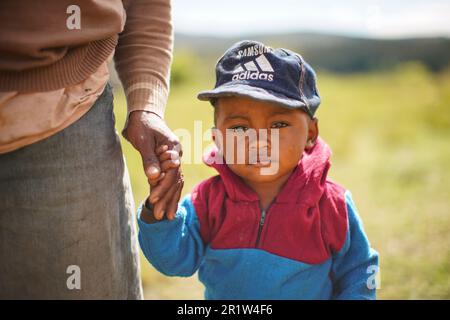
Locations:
{"points": [[261, 224]]}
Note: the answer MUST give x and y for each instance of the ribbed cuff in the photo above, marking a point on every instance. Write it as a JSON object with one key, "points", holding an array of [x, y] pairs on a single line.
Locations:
{"points": [[146, 94]]}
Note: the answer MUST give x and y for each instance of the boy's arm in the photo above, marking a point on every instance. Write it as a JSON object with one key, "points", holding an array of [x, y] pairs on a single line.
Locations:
{"points": [[355, 266], [173, 247]]}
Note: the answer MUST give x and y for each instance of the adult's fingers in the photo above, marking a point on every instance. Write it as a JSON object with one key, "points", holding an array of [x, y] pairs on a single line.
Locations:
{"points": [[154, 169], [149, 159], [178, 148], [154, 182], [169, 154], [164, 185], [172, 204], [169, 164], [160, 206], [162, 148], [169, 203]]}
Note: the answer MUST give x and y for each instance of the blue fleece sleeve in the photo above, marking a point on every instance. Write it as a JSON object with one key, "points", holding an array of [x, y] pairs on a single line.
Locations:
{"points": [[356, 264], [173, 247]]}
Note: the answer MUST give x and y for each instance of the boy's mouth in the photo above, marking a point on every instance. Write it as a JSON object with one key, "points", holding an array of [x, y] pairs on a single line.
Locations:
{"points": [[261, 163]]}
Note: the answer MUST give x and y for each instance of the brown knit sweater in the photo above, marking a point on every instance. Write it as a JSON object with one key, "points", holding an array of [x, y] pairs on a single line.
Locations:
{"points": [[42, 48]]}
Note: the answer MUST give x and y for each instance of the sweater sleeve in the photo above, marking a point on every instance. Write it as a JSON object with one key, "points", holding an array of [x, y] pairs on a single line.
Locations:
{"points": [[173, 247], [144, 54], [355, 266]]}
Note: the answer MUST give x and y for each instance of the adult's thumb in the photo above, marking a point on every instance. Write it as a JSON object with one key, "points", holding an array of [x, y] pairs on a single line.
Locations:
{"points": [[151, 165]]}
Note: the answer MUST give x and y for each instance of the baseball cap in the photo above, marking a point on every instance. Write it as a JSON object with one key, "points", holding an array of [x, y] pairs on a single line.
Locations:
{"points": [[254, 70]]}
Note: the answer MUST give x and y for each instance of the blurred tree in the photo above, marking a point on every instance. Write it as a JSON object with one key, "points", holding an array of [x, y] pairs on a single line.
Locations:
{"points": [[183, 68]]}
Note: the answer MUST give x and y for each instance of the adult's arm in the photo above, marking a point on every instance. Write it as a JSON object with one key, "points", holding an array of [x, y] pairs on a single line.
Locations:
{"points": [[142, 59]]}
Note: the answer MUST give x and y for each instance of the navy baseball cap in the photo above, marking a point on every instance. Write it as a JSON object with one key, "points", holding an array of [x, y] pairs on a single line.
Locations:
{"points": [[254, 70]]}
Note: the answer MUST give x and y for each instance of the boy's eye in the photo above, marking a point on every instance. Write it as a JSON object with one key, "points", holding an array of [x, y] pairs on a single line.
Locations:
{"points": [[279, 125], [239, 128]]}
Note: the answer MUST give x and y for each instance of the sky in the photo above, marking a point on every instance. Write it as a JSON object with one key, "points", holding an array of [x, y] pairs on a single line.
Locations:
{"points": [[367, 18]]}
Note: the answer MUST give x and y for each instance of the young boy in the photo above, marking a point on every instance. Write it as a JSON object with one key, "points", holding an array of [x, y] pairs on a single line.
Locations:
{"points": [[284, 233]]}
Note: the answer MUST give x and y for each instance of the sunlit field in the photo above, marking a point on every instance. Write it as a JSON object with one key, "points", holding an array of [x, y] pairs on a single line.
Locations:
{"points": [[390, 134]]}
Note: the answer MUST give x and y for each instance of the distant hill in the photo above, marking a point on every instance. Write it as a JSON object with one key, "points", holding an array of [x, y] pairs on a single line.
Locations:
{"points": [[334, 53], [327, 52]]}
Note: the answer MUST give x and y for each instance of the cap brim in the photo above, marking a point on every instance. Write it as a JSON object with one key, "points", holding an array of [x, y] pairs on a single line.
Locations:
{"points": [[260, 94]]}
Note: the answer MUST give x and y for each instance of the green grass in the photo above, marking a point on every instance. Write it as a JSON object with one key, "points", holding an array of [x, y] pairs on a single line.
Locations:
{"points": [[390, 133]]}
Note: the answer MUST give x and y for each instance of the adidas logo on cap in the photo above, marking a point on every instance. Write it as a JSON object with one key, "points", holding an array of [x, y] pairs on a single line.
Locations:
{"points": [[258, 69]]}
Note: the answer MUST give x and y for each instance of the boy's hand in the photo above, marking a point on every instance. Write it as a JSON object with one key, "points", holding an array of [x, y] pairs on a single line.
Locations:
{"points": [[146, 131], [169, 163]]}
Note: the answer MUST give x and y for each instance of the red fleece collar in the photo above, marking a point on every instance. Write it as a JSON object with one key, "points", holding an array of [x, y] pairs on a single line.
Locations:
{"points": [[305, 184]]}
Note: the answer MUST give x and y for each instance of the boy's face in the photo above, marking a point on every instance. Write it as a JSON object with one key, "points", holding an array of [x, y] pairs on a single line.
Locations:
{"points": [[244, 117]]}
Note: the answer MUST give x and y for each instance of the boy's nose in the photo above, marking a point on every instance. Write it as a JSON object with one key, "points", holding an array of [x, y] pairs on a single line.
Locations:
{"points": [[258, 144], [259, 149]]}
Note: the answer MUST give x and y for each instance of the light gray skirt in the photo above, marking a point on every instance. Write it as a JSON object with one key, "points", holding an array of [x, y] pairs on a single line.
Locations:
{"points": [[67, 226]]}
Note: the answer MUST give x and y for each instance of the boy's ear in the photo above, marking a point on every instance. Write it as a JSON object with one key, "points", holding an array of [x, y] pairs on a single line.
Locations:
{"points": [[213, 135], [313, 133], [216, 139]]}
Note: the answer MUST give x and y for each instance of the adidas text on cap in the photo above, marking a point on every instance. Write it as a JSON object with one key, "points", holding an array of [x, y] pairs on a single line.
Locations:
{"points": [[251, 69]]}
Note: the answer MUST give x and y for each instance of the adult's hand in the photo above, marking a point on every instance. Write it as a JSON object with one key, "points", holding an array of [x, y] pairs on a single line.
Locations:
{"points": [[146, 131]]}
